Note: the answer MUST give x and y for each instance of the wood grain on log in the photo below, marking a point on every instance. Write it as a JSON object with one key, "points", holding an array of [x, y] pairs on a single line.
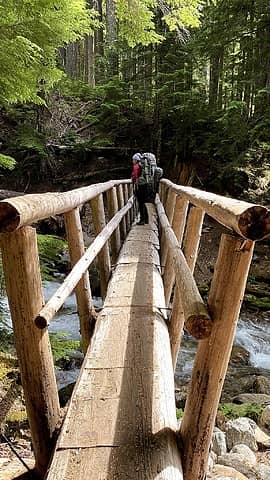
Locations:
{"points": [[248, 220]]}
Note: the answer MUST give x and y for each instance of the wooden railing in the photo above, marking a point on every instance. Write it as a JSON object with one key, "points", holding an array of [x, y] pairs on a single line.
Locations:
{"points": [[215, 323], [25, 294], [181, 211]]}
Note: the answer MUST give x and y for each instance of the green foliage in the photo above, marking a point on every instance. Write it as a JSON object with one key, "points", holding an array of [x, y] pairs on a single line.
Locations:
{"points": [[50, 249], [250, 410], [7, 162], [28, 139], [30, 33], [62, 347], [137, 19], [179, 413]]}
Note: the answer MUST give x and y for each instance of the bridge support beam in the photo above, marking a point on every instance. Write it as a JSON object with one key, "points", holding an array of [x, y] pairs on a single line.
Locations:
{"points": [[24, 290], [191, 241], [112, 210], [86, 308], [104, 261], [178, 226], [121, 203], [212, 358]]}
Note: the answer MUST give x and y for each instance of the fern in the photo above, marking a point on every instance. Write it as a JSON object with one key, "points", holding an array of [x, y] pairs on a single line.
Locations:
{"points": [[7, 162]]}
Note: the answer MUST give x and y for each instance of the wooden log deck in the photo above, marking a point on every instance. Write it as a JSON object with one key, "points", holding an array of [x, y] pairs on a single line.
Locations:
{"points": [[121, 422]]}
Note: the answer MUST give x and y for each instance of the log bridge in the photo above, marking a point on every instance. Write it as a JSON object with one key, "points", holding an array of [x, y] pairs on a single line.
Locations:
{"points": [[121, 419]]}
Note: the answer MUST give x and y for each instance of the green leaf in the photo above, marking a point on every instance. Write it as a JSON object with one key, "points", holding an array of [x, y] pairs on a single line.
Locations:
{"points": [[7, 162]]}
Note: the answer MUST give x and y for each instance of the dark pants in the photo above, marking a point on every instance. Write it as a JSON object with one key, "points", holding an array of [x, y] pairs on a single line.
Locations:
{"points": [[142, 193]]}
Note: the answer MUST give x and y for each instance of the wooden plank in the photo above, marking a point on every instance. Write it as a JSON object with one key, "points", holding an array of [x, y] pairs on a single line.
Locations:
{"points": [[121, 421]]}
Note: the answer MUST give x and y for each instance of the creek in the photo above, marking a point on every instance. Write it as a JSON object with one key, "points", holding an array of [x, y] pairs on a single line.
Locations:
{"points": [[252, 335]]}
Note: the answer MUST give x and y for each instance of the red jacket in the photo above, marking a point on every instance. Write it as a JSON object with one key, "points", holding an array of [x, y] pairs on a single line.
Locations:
{"points": [[136, 172]]}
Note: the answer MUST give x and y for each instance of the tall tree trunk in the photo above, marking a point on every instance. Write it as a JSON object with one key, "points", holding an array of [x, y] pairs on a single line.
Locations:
{"points": [[262, 78], [214, 79], [111, 38]]}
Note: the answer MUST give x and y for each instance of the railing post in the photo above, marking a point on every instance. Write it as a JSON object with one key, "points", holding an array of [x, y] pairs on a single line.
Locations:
{"points": [[86, 308], [178, 226], [121, 203], [169, 208], [133, 210], [98, 215], [211, 361], [112, 210], [24, 290], [193, 235], [190, 250], [128, 218]]}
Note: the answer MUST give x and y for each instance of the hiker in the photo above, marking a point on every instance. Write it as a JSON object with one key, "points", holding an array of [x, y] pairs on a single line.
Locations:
{"points": [[139, 187], [136, 170]]}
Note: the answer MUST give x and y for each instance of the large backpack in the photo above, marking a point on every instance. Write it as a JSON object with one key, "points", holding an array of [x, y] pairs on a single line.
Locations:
{"points": [[150, 173]]}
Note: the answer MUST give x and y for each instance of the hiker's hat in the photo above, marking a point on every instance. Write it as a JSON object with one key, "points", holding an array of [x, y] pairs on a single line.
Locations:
{"points": [[137, 157]]}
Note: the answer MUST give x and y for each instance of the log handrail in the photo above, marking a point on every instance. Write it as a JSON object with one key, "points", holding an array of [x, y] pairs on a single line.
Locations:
{"points": [[21, 211], [248, 220], [197, 319], [46, 314]]}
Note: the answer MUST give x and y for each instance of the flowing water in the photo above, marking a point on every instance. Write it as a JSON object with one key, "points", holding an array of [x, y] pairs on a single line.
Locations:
{"points": [[253, 334]]}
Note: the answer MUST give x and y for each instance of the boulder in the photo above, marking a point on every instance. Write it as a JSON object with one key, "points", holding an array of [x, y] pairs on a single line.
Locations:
{"points": [[257, 398], [241, 430], [221, 472], [181, 396], [262, 439], [264, 420], [219, 445], [239, 462], [262, 385], [211, 461], [262, 471], [244, 450]]}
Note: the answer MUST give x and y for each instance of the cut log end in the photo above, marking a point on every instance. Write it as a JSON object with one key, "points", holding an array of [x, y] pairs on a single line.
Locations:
{"points": [[9, 218], [199, 326], [41, 322], [254, 223]]}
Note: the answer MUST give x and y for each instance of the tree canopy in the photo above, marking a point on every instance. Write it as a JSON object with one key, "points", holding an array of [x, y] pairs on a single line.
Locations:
{"points": [[30, 33]]}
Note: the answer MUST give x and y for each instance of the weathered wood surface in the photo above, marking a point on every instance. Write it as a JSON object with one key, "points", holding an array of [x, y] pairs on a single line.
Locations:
{"points": [[104, 260], [193, 236], [25, 295], [178, 226], [112, 205], [25, 210], [248, 220], [190, 251], [212, 358], [121, 421], [84, 299], [197, 319]]}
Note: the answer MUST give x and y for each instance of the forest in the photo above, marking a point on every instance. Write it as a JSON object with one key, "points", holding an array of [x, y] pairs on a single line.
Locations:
{"points": [[188, 80]]}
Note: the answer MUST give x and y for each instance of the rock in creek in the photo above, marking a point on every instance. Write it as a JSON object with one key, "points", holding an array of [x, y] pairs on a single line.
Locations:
{"points": [[262, 472], [239, 462], [220, 472], [262, 385], [258, 398], [241, 431], [219, 446], [264, 420], [244, 450]]}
